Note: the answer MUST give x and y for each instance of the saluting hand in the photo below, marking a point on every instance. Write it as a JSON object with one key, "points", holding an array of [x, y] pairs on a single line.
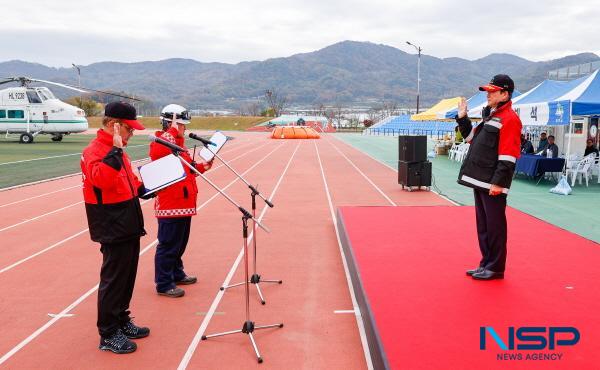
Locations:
{"points": [[117, 139], [462, 107]]}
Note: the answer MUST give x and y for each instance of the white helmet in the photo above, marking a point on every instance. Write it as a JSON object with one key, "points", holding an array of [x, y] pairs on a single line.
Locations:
{"points": [[174, 111]]}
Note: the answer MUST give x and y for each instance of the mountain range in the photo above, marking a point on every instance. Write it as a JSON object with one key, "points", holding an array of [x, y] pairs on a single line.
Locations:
{"points": [[348, 72]]}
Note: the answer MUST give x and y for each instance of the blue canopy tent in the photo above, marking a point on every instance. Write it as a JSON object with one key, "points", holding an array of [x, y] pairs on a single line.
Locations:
{"points": [[555, 102], [542, 104]]}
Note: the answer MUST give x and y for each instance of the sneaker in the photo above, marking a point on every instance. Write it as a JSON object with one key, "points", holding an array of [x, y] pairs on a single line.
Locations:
{"points": [[187, 280], [117, 343], [133, 331], [173, 293]]}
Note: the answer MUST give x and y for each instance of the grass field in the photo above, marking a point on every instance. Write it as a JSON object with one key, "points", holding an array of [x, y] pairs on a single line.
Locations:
{"points": [[46, 159], [227, 123]]}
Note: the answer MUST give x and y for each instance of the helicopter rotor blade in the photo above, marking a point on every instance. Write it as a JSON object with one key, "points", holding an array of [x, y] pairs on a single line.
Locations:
{"points": [[6, 80], [59, 84], [85, 89]]}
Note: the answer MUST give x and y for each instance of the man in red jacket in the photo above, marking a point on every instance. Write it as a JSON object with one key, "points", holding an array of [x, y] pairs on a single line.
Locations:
{"points": [[174, 207], [488, 168], [110, 192]]}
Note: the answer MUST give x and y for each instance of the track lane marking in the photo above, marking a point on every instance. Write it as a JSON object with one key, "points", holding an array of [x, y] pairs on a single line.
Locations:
{"points": [[86, 229], [358, 315], [363, 174], [64, 312], [392, 168], [215, 303]]}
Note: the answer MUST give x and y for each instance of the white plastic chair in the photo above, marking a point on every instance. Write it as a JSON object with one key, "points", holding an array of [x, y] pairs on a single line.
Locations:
{"points": [[583, 168], [453, 150], [462, 153]]}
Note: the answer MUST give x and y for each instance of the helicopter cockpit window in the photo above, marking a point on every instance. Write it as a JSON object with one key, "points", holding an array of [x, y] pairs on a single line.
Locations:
{"points": [[33, 97], [45, 93]]}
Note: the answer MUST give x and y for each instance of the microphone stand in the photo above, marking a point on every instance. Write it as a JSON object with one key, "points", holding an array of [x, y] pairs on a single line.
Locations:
{"points": [[248, 327], [255, 278]]}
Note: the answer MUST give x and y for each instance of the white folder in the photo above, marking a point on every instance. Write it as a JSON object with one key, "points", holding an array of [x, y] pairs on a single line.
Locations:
{"points": [[217, 138], [161, 173]]}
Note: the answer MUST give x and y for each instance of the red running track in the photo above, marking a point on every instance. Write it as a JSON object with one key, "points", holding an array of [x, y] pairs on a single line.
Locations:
{"points": [[308, 179]]}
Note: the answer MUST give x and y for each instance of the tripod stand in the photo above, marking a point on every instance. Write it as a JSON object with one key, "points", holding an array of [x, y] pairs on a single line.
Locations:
{"points": [[248, 326], [255, 278]]}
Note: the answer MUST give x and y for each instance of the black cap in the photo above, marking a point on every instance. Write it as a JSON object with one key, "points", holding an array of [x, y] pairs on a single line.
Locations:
{"points": [[499, 83], [125, 112]]}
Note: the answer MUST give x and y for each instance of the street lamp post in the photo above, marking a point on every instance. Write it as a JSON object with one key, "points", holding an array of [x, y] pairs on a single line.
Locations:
{"points": [[78, 83], [418, 48]]}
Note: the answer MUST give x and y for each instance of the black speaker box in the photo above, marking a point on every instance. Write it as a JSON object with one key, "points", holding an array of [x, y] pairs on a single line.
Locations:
{"points": [[414, 173], [412, 148]]}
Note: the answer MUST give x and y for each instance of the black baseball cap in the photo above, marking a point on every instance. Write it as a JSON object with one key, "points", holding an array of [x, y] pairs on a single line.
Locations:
{"points": [[124, 112], [499, 83]]}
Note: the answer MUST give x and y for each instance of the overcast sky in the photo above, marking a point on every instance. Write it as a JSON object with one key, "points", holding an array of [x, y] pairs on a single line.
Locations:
{"points": [[58, 33]]}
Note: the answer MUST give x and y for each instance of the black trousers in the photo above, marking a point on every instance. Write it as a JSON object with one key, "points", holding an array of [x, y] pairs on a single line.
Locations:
{"points": [[117, 278], [173, 235], [490, 212]]}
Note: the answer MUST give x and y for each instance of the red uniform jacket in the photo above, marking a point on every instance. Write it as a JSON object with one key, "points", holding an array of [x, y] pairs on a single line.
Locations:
{"points": [[495, 147], [179, 199], [110, 191]]}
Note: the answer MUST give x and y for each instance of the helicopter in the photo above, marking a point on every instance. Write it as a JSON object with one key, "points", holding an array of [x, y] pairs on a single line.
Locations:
{"points": [[30, 111]]}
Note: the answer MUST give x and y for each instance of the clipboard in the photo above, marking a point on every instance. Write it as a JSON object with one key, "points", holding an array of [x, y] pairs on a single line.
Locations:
{"points": [[217, 138], [161, 173]]}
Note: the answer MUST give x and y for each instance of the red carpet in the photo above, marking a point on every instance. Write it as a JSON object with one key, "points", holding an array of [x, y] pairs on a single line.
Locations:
{"points": [[427, 313]]}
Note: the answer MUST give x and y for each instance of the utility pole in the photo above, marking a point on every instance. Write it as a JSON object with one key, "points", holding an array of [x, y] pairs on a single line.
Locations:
{"points": [[418, 48]]}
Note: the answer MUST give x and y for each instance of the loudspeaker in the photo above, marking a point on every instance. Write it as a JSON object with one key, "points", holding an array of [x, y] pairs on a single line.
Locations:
{"points": [[414, 173], [412, 148]]}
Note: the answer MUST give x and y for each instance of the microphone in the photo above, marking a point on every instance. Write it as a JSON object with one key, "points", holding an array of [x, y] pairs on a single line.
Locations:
{"points": [[169, 145], [202, 140]]}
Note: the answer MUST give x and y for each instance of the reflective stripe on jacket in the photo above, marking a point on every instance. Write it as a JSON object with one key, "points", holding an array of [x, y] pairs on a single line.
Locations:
{"points": [[494, 150], [179, 199]]}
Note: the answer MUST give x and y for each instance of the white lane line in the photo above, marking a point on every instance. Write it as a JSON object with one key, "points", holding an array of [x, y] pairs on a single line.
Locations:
{"points": [[40, 216], [41, 195], [244, 144], [359, 319], [363, 175], [42, 251], [36, 333], [142, 203], [393, 169], [243, 173], [213, 307], [58, 316], [56, 156], [61, 316], [344, 311], [39, 331], [55, 178], [71, 205]]}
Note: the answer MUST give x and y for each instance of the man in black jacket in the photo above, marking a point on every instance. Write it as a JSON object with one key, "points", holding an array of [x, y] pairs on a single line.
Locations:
{"points": [[551, 149], [488, 168], [115, 220]]}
